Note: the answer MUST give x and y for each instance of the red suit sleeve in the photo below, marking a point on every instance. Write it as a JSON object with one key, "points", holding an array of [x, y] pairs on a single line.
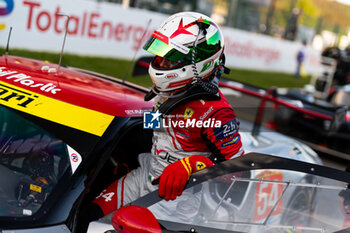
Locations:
{"points": [[224, 141]]}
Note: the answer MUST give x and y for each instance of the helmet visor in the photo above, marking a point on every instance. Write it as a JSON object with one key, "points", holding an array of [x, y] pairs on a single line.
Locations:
{"points": [[160, 45], [163, 63]]}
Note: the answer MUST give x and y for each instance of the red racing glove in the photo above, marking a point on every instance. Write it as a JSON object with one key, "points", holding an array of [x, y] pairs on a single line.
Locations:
{"points": [[175, 176]]}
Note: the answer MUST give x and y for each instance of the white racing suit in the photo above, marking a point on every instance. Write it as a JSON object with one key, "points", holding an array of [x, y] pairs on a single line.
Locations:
{"points": [[199, 127]]}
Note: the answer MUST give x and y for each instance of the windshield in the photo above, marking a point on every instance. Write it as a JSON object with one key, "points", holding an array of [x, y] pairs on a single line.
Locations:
{"points": [[31, 163], [263, 200]]}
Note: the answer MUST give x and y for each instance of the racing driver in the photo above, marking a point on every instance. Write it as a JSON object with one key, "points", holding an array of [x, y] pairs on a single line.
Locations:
{"points": [[200, 127]]}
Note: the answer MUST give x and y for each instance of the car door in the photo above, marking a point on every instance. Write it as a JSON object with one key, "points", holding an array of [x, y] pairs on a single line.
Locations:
{"points": [[258, 193]]}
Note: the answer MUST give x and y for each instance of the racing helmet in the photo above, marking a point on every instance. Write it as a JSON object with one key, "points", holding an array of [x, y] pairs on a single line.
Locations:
{"points": [[188, 46]]}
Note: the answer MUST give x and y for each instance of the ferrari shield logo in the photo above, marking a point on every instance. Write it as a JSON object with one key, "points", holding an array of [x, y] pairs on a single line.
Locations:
{"points": [[200, 165], [188, 113]]}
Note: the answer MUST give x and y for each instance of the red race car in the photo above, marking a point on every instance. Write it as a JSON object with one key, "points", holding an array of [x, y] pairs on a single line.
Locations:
{"points": [[65, 134]]}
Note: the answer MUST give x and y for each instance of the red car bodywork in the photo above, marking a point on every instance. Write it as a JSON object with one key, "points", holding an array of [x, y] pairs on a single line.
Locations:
{"points": [[71, 86]]}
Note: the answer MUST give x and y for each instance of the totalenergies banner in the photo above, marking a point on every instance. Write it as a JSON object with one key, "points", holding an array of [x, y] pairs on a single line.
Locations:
{"points": [[105, 29], [94, 28], [248, 50]]}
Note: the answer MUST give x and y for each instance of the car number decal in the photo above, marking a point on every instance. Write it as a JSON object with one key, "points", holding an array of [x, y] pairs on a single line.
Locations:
{"points": [[54, 110], [268, 194]]}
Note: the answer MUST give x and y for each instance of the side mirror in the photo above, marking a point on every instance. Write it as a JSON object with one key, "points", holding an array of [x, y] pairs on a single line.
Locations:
{"points": [[135, 219]]}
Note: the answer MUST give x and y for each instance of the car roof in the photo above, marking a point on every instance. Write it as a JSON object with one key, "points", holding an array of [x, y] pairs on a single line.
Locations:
{"points": [[73, 86]]}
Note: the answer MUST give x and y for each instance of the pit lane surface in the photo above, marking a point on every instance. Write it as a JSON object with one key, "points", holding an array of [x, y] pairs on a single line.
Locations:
{"points": [[246, 107]]}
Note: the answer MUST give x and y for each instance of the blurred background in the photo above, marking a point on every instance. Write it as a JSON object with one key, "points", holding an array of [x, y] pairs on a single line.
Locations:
{"points": [[262, 37], [321, 23]]}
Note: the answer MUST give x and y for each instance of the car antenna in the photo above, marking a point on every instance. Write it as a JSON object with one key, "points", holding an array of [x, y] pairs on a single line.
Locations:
{"points": [[8, 42], [64, 40], [137, 49]]}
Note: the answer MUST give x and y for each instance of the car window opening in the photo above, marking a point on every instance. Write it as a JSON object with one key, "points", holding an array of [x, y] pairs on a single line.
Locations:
{"points": [[134, 141]]}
